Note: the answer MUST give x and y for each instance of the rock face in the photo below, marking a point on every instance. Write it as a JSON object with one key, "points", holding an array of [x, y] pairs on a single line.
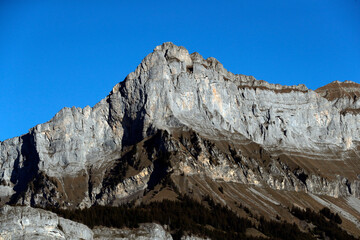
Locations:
{"points": [[180, 115], [30, 223], [146, 231]]}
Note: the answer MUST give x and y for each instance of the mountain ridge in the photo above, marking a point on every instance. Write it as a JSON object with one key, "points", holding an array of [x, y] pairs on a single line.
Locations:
{"points": [[180, 124], [248, 78]]}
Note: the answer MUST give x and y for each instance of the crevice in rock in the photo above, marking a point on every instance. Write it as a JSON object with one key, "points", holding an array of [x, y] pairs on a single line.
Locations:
{"points": [[301, 175]]}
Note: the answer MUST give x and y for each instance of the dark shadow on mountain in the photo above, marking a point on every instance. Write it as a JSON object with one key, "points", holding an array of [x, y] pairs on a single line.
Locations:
{"points": [[132, 129], [132, 125], [158, 153], [25, 169], [118, 171], [160, 171]]}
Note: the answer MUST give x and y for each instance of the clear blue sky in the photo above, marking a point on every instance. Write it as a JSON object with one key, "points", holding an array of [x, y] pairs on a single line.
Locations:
{"points": [[56, 54]]}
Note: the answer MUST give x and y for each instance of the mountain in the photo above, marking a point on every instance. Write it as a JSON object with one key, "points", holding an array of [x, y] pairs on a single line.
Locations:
{"points": [[182, 125]]}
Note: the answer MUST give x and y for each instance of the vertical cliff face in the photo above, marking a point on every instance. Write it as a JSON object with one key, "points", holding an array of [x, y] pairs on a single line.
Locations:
{"points": [[179, 115], [172, 89]]}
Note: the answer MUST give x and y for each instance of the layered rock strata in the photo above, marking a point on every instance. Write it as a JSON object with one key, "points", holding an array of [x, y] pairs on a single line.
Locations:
{"points": [[310, 139]]}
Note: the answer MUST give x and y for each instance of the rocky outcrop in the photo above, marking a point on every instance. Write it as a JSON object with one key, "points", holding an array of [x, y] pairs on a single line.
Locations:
{"points": [[340, 90], [310, 138], [30, 223], [146, 231]]}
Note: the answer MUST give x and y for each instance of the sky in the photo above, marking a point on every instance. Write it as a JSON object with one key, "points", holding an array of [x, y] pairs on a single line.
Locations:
{"points": [[56, 54]]}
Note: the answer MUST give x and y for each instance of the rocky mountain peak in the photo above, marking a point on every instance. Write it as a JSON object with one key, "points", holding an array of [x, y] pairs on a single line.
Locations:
{"points": [[182, 124], [171, 51], [175, 89]]}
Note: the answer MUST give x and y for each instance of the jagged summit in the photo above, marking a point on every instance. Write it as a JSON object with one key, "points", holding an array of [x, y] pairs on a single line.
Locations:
{"points": [[168, 53], [177, 89]]}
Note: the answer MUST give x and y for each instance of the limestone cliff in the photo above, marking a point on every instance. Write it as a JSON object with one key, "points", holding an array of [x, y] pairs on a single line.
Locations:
{"points": [[181, 116]]}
